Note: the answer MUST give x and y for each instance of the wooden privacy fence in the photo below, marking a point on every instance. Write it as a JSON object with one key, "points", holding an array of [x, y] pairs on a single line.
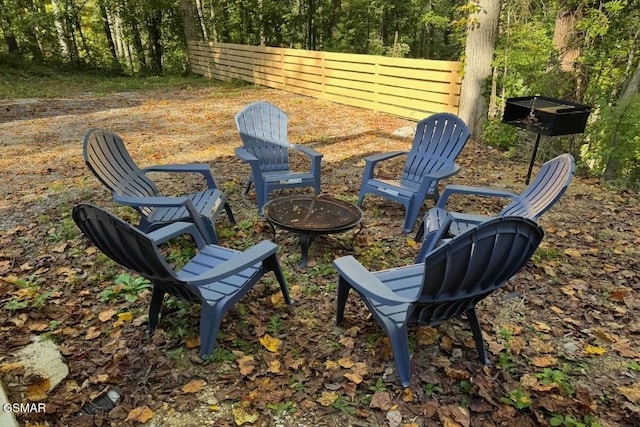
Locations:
{"points": [[411, 88]]}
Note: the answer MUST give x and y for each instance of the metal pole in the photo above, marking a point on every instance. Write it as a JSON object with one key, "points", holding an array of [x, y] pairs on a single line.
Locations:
{"points": [[533, 159]]}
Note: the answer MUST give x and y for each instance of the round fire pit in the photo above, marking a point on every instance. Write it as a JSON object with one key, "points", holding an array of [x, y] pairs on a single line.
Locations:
{"points": [[312, 216]]}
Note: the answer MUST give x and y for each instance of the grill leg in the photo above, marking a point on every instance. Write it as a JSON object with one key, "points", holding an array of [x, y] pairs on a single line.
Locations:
{"points": [[533, 159]]}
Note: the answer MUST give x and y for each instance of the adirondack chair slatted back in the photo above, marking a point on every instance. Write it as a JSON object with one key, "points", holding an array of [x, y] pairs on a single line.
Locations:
{"points": [[548, 186], [129, 247], [107, 157], [438, 141], [263, 130], [472, 265]]}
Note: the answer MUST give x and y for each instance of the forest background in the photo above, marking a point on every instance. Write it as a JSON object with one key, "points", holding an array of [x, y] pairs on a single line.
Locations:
{"points": [[581, 50]]}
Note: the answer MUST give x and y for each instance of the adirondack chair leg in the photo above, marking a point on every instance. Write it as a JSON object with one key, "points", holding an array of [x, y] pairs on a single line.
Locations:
{"points": [[227, 209], [271, 263], [247, 186], [411, 215], [400, 345], [154, 308], [477, 336], [420, 232], [210, 320], [343, 293]]}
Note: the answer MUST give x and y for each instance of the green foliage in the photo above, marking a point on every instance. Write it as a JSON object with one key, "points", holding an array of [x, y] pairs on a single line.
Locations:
{"points": [[500, 135], [613, 143], [571, 421], [30, 294], [517, 398], [125, 287], [431, 389], [556, 376]]}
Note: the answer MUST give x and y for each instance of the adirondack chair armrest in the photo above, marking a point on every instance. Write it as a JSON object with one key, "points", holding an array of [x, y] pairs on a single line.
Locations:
{"points": [[450, 190], [168, 202], [173, 230], [435, 226], [155, 202], [200, 168], [245, 156], [366, 283], [375, 158], [237, 263], [312, 153]]}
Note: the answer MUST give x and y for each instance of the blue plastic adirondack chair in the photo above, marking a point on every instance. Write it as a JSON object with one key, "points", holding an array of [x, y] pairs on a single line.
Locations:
{"points": [[107, 157], [549, 185], [450, 282], [438, 141], [216, 277], [263, 130]]}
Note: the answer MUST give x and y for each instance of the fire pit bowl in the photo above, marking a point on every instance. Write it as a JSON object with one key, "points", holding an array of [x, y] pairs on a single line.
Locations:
{"points": [[312, 216]]}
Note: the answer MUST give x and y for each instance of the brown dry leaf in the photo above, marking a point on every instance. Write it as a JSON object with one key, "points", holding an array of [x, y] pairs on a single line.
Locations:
{"points": [[381, 400], [426, 335], [106, 315], [194, 386], [446, 344], [454, 416], [92, 333], [544, 361], [347, 342], [270, 343], [99, 379], [327, 398], [330, 365], [631, 393], [274, 367], [8, 367], [192, 342], [346, 362], [354, 377], [573, 253], [140, 415], [38, 326], [246, 364], [407, 395], [241, 415], [277, 300], [38, 390], [542, 327], [605, 335], [457, 374]]}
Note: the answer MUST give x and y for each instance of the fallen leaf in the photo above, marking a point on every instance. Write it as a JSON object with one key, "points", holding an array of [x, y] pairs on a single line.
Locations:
{"points": [[270, 343], [592, 349], [327, 398], [631, 393], [140, 415], [192, 342], [241, 415], [354, 377], [573, 253], [274, 367], [330, 365], [246, 364], [544, 361], [38, 390], [92, 333], [122, 318], [8, 367], [381, 400], [106, 315], [346, 362], [194, 386]]}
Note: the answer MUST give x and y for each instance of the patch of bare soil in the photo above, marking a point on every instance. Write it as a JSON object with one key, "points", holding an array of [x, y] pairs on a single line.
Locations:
{"points": [[563, 335]]}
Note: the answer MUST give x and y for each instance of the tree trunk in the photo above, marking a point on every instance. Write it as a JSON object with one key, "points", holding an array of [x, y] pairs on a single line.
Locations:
{"points": [[155, 42], [60, 29], [633, 86], [107, 31], [203, 26], [9, 38], [479, 50]]}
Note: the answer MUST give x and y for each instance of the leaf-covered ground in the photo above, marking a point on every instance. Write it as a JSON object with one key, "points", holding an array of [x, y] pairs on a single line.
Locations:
{"points": [[563, 335]]}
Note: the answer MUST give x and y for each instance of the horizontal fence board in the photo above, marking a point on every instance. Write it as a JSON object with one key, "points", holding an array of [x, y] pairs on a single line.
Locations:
{"points": [[411, 88]]}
